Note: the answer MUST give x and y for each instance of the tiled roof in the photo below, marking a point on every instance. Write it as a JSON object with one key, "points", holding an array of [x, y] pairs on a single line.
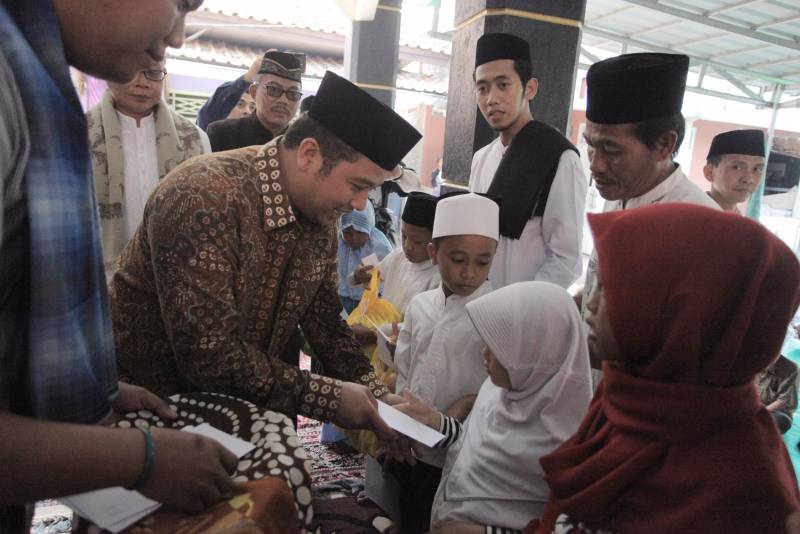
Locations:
{"points": [[229, 55], [316, 15]]}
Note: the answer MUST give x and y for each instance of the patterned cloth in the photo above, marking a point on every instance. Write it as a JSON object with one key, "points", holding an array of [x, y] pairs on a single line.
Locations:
{"points": [[67, 372], [176, 140], [278, 455], [216, 280]]}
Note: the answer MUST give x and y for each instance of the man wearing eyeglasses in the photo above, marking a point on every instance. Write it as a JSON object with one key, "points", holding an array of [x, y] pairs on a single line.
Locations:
{"points": [[135, 139], [277, 91]]}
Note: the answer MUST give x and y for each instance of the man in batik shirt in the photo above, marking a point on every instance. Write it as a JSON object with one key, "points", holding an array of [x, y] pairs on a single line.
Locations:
{"points": [[237, 249]]}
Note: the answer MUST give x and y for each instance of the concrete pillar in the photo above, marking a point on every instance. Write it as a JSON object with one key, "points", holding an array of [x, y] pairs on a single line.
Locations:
{"points": [[371, 52], [552, 27]]}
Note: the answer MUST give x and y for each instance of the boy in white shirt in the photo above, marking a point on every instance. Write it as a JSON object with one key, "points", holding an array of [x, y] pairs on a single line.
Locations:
{"points": [[438, 354], [407, 271]]}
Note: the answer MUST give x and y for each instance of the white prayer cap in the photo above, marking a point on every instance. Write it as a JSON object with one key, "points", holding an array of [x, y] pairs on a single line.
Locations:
{"points": [[467, 214]]}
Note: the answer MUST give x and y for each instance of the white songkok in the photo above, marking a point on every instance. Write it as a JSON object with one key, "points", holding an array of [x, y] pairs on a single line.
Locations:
{"points": [[467, 214]]}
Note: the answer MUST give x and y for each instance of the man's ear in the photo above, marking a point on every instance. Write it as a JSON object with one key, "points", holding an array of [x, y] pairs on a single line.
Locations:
{"points": [[252, 90], [531, 89], [309, 156], [665, 145], [432, 253], [708, 172]]}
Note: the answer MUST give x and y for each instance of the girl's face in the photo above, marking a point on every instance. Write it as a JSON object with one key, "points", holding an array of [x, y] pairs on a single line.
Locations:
{"points": [[497, 372], [353, 238], [601, 340]]}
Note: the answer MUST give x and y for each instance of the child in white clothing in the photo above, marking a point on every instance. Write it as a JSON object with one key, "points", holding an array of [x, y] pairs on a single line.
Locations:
{"points": [[537, 393], [438, 354]]}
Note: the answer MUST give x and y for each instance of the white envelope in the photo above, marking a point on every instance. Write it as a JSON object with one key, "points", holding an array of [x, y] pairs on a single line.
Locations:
{"points": [[409, 426]]}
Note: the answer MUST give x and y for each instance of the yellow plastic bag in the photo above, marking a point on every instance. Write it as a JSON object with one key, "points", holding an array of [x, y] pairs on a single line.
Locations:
{"points": [[371, 313]]}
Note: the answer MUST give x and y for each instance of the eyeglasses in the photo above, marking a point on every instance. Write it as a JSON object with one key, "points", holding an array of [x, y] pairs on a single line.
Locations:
{"points": [[154, 75], [275, 91]]}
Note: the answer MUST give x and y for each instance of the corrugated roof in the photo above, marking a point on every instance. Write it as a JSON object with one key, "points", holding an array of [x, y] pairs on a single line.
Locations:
{"points": [[755, 43]]}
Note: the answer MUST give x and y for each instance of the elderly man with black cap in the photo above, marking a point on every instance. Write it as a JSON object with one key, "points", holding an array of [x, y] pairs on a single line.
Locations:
{"points": [[237, 249], [534, 170], [277, 91], [734, 166], [634, 128]]}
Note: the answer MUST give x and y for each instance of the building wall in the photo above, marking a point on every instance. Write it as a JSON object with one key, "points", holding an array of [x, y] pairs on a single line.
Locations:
{"points": [[433, 143]]}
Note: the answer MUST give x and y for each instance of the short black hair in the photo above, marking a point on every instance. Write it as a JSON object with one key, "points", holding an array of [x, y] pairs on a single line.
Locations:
{"points": [[333, 149], [524, 70], [649, 132], [306, 103], [714, 160]]}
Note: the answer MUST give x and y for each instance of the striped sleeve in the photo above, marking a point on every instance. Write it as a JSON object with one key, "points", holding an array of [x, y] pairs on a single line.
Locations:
{"points": [[501, 530], [451, 428]]}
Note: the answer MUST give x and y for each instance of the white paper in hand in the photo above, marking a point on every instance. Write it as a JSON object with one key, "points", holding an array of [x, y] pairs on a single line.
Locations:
{"points": [[409, 426], [237, 446], [372, 259], [115, 509]]}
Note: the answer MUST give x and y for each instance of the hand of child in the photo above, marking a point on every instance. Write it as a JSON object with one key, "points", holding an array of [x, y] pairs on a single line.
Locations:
{"points": [[461, 408], [364, 335], [403, 450], [419, 410], [362, 274], [457, 527], [190, 472], [391, 342]]}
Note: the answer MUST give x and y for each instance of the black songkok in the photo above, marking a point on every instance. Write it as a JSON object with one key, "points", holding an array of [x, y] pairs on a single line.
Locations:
{"points": [[494, 46], [747, 142], [283, 64], [420, 209], [361, 121], [636, 87]]}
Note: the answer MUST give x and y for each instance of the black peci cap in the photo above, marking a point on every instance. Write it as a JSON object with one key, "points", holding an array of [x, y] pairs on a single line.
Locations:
{"points": [[494, 46], [365, 124], [636, 87], [746, 142], [420, 209]]}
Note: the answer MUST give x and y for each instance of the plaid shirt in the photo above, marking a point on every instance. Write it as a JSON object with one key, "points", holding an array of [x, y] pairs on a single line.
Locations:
{"points": [[67, 370]]}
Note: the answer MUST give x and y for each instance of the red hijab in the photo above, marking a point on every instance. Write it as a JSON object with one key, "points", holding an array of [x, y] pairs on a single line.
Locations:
{"points": [[676, 438]]}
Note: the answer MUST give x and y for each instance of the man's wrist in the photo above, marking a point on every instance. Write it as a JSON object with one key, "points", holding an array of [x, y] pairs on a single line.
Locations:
{"points": [[321, 398]]}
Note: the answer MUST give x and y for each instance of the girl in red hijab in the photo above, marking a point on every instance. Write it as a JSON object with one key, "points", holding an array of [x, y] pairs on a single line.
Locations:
{"points": [[693, 304]]}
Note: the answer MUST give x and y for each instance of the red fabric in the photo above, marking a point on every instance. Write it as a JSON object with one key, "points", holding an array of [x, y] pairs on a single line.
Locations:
{"points": [[676, 438]]}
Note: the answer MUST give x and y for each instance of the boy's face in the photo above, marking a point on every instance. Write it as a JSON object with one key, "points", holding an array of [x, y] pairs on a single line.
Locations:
{"points": [[353, 238], [736, 176], [497, 372], [464, 261], [415, 242]]}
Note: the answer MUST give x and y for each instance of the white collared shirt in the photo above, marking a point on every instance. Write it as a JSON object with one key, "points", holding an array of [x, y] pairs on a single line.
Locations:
{"points": [[140, 159], [403, 280], [549, 248], [438, 356]]}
